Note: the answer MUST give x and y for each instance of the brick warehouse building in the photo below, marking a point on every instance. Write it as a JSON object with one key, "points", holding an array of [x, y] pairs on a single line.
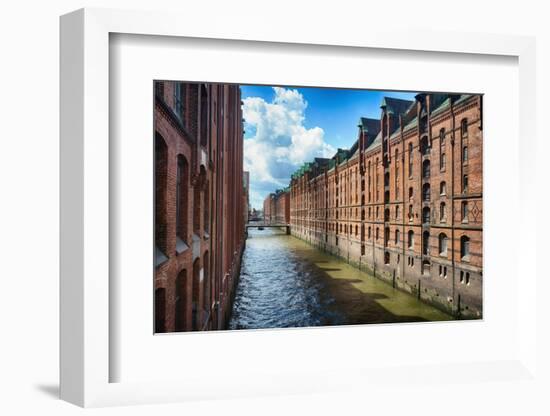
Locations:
{"points": [[277, 207], [199, 218], [405, 202]]}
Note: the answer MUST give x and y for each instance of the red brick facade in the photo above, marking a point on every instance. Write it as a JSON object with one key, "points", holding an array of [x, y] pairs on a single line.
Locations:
{"points": [[405, 202], [199, 194], [277, 207]]}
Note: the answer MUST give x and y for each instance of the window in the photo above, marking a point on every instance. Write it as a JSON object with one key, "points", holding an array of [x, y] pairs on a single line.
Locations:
{"points": [[426, 243], [443, 188], [426, 215], [464, 211], [410, 192], [411, 213], [410, 160], [465, 247], [369, 233], [377, 235], [397, 237], [442, 137], [161, 170], [442, 161], [179, 100], [443, 245], [465, 183], [426, 192], [397, 212], [467, 278], [465, 155], [425, 145], [182, 191], [386, 258], [464, 127], [410, 239], [387, 214], [442, 213], [426, 169]]}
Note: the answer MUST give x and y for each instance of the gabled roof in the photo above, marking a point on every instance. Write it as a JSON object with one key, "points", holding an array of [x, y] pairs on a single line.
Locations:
{"points": [[369, 125], [395, 105]]}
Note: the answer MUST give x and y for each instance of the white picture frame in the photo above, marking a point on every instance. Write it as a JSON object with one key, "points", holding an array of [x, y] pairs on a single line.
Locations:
{"points": [[85, 213]]}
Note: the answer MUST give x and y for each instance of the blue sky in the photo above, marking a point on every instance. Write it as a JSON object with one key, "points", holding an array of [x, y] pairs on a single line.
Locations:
{"points": [[287, 126]]}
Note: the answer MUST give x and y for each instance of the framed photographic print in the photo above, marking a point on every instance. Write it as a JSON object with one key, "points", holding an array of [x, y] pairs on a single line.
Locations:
{"points": [[285, 213]]}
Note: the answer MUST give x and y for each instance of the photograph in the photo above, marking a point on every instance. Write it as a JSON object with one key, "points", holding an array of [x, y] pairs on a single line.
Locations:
{"points": [[281, 206]]}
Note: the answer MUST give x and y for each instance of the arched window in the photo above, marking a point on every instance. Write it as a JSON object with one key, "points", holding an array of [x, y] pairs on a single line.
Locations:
{"points": [[443, 245], [442, 158], [464, 209], [161, 169], [443, 188], [410, 239], [397, 212], [426, 215], [410, 193], [386, 257], [465, 154], [411, 216], [442, 213], [387, 214], [386, 235], [410, 155], [377, 234], [464, 127], [370, 234], [397, 237], [426, 192], [465, 248], [356, 230], [182, 198], [426, 169]]}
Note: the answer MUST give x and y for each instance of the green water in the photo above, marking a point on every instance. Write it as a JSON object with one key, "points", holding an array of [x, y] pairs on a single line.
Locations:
{"points": [[286, 282]]}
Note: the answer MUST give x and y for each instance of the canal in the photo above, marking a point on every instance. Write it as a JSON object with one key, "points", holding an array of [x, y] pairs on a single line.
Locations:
{"points": [[286, 282]]}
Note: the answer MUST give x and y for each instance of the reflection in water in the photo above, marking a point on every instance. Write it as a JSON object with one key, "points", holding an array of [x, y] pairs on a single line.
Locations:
{"points": [[285, 282]]}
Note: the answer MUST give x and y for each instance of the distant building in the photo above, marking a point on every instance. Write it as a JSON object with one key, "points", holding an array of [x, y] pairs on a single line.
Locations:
{"points": [[277, 207], [199, 218], [405, 202]]}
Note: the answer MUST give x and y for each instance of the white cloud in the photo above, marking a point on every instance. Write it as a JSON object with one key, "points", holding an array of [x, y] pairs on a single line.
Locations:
{"points": [[281, 142]]}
